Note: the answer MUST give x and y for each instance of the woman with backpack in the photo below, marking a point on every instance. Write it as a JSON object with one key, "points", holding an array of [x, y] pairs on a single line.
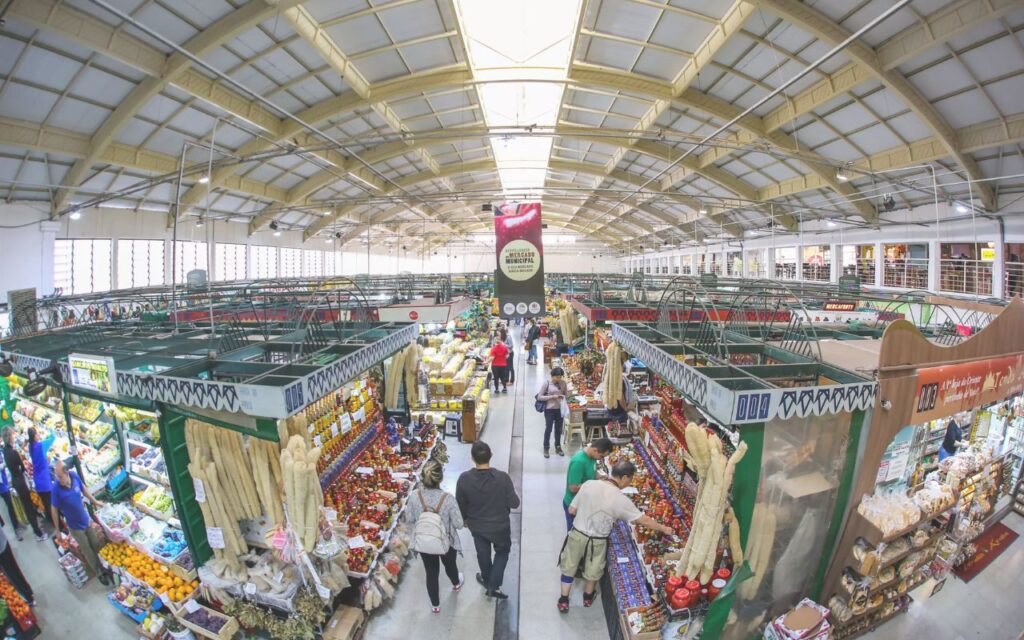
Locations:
{"points": [[436, 522]]}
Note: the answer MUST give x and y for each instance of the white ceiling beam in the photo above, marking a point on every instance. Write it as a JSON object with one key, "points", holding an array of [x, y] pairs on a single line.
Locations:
{"points": [[823, 27], [62, 142], [90, 32]]}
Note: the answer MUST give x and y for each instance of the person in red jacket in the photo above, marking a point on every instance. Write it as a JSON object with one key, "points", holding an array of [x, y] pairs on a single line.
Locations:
{"points": [[499, 362]]}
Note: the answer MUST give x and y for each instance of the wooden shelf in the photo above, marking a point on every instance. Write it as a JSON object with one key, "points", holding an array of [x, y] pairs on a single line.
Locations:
{"points": [[874, 625]]}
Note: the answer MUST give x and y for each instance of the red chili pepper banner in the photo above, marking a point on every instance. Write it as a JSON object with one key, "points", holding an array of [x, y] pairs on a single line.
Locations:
{"points": [[944, 391], [520, 252]]}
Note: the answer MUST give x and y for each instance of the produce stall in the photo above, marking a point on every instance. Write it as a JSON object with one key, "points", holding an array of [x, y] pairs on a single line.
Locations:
{"points": [[740, 458], [286, 478]]}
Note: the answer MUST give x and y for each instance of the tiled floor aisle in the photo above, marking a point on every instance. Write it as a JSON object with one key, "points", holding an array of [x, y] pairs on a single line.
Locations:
{"points": [[988, 608]]}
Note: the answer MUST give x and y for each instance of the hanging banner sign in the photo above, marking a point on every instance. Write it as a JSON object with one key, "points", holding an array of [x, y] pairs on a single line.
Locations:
{"points": [[520, 253], [944, 391], [93, 372]]}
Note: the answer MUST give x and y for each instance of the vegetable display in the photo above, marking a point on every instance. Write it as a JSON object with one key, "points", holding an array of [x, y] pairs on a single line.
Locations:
{"points": [[612, 381], [715, 474], [302, 489]]}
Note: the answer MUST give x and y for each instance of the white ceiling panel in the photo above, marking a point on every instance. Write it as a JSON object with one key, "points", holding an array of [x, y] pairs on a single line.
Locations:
{"points": [[942, 79], [26, 103], [383, 67], [78, 116], [361, 34], [998, 58], [608, 53], [1007, 94], [966, 108], [412, 20], [428, 55], [48, 69], [659, 64], [626, 19]]}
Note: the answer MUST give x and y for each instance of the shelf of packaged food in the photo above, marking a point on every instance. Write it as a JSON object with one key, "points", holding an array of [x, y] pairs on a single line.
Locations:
{"points": [[870, 626], [876, 537], [350, 453], [873, 590]]}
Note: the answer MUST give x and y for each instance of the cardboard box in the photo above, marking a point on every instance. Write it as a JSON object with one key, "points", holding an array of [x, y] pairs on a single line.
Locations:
{"points": [[344, 624]]}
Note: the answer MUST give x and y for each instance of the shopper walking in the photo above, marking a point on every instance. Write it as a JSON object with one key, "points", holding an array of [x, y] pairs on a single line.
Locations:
{"points": [[597, 506], [553, 393], [68, 500], [532, 335], [434, 515], [37, 451], [510, 365], [16, 467], [13, 572], [486, 497], [5, 493], [582, 467], [498, 359]]}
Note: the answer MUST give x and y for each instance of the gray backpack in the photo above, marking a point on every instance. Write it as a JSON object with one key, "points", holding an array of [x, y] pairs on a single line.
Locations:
{"points": [[430, 534]]}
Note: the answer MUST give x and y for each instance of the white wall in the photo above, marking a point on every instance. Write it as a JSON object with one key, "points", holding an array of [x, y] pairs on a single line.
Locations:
{"points": [[26, 259]]}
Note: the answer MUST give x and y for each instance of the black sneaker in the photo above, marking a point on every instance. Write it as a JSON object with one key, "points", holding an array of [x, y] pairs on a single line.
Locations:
{"points": [[498, 593], [559, 451], [547, 454], [480, 579]]}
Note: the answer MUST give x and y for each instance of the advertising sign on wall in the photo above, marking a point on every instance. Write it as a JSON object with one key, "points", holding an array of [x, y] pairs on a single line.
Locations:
{"points": [[944, 391], [520, 253]]}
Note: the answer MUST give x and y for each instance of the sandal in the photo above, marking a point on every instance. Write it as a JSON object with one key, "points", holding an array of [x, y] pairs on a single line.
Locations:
{"points": [[563, 604], [588, 598]]}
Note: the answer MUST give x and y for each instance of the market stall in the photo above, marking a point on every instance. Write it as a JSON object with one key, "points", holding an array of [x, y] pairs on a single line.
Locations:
{"points": [[281, 480], [913, 511], [740, 458]]}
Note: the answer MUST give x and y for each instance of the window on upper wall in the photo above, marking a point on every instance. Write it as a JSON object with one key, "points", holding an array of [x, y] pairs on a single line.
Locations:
{"points": [[231, 261], [188, 257], [82, 266], [140, 263], [334, 263], [291, 263], [264, 262], [312, 263]]}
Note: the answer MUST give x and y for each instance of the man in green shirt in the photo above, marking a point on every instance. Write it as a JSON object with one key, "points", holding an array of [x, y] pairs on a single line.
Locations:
{"points": [[582, 467]]}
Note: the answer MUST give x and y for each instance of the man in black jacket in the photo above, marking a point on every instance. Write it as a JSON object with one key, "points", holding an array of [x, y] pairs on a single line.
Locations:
{"points": [[16, 467], [485, 497]]}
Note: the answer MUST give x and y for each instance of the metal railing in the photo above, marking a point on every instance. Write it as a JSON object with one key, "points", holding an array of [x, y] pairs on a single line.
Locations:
{"points": [[965, 276], [1013, 279], [910, 273], [785, 271], [864, 270], [817, 272]]}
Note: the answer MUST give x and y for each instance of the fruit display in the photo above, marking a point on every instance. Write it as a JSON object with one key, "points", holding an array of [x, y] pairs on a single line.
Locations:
{"points": [[86, 409], [133, 601], [100, 461], [154, 624], [170, 544], [16, 605], [207, 619], [146, 570], [156, 499], [94, 433]]}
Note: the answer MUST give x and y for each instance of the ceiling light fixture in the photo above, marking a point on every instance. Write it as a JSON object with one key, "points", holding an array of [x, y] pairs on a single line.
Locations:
{"points": [[830, 223], [204, 180], [199, 222], [842, 175], [961, 208], [75, 214], [703, 209]]}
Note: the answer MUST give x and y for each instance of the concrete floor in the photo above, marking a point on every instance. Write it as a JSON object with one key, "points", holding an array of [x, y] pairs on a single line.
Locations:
{"points": [[988, 608]]}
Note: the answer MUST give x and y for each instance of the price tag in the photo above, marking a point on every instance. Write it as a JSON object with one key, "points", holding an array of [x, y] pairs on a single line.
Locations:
{"points": [[310, 428], [331, 515], [346, 423], [356, 543], [317, 442], [366, 471], [164, 598], [399, 475], [249, 588], [623, 560], [323, 592], [215, 536], [334, 429], [200, 489], [191, 606]]}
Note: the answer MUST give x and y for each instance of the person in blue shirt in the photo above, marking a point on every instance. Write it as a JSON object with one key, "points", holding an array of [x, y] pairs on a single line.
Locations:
{"points": [[37, 451], [68, 500]]}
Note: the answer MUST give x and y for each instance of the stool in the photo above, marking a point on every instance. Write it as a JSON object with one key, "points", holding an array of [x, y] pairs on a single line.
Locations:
{"points": [[573, 429], [595, 431]]}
